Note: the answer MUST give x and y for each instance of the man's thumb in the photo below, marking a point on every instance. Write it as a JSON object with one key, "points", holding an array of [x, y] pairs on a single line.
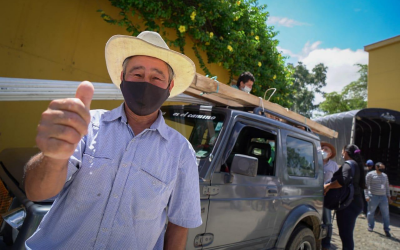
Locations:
{"points": [[85, 92]]}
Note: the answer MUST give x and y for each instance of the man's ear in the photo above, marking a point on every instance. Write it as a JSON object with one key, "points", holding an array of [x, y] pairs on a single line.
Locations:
{"points": [[121, 77], [171, 86]]}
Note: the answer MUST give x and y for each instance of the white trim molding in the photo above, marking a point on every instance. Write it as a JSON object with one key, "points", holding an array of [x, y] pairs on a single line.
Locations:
{"points": [[21, 89]]}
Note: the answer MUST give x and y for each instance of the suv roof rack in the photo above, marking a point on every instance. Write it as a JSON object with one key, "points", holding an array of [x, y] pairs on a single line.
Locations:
{"points": [[216, 92], [287, 120]]}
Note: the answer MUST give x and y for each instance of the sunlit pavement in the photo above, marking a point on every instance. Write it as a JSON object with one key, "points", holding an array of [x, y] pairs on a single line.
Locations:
{"points": [[362, 238], [371, 240]]}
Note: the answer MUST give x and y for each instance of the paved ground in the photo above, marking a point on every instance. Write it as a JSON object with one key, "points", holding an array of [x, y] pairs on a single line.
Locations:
{"points": [[364, 240]]}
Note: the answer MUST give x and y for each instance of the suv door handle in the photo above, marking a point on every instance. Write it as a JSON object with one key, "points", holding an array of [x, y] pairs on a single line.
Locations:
{"points": [[272, 192]]}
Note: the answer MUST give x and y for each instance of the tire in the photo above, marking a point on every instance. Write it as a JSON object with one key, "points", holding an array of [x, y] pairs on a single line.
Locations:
{"points": [[302, 238]]}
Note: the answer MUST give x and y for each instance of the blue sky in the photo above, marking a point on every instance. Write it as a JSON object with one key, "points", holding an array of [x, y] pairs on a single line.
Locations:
{"points": [[332, 32]]}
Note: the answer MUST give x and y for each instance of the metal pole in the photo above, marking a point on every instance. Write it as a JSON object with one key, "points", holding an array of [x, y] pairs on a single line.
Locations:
{"points": [[370, 128], [362, 137], [380, 132], [390, 134]]}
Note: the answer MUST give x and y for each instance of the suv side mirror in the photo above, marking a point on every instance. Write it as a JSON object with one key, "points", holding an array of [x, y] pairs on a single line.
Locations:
{"points": [[244, 165]]}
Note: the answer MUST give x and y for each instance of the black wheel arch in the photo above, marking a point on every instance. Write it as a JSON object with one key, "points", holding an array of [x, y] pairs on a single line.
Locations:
{"points": [[305, 215]]}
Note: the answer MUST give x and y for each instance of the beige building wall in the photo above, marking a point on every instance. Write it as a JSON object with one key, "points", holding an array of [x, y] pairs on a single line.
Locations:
{"points": [[57, 40], [384, 74]]}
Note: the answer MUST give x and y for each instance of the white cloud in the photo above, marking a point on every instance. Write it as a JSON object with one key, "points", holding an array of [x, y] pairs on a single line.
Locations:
{"points": [[284, 21], [340, 62], [287, 52]]}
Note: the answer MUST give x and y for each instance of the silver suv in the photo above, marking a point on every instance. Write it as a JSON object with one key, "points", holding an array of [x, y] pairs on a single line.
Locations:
{"points": [[261, 181]]}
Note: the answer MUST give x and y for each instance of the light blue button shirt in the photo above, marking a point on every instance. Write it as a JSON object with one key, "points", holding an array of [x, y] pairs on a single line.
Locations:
{"points": [[118, 187], [329, 169]]}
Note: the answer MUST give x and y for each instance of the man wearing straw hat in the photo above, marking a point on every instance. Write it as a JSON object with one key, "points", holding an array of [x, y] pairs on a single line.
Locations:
{"points": [[114, 173], [330, 167]]}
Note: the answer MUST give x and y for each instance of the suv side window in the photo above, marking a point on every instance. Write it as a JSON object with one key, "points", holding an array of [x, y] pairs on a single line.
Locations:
{"points": [[300, 157], [255, 143]]}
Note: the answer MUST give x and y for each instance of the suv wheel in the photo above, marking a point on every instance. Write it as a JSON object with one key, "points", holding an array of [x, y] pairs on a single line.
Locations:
{"points": [[302, 238]]}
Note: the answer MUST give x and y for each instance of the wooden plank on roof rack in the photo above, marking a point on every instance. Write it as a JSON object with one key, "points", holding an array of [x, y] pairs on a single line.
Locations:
{"points": [[222, 93], [212, 98]]}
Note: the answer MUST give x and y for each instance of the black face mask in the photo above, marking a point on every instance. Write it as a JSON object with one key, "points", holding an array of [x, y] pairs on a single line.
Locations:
{"points": [[381, 169], [143, 98]]}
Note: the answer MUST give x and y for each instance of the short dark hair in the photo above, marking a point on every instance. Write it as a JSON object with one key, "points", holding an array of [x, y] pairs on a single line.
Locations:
{"points": [[244, 77], [378, 164]]}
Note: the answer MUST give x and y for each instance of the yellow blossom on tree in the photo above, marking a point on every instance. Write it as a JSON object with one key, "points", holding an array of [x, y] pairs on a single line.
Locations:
{"points": [[274, 77], [211, 35], [252, 33], [219, 64], [182, 28], [230, 48], [207, 43], [193, 15], [221, 38], [236, 18], [259, 64], [238, 2], [257, 38]]}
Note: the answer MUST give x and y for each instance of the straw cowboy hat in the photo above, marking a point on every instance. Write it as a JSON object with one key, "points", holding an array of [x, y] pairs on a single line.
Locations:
{"points": [[323, 143], [148, 43]]}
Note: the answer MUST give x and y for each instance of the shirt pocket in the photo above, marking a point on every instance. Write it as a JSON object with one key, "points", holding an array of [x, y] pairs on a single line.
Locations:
{"points": [[93, 181], [150, 196]]}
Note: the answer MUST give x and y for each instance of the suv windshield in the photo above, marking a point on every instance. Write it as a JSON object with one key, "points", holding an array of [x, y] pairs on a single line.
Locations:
{"points": [[200, 127]]}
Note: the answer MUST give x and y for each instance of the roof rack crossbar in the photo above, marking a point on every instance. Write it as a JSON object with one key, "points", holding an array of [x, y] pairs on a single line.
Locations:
{"points": [[260, 111]]}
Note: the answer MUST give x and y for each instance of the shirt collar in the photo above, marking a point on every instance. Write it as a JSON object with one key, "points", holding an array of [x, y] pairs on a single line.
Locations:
{"points": [[159, 123], [115, 114]]}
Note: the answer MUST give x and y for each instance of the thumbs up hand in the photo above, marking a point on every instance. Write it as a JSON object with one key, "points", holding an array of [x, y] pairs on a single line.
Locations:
{"points": [[64, 124]]}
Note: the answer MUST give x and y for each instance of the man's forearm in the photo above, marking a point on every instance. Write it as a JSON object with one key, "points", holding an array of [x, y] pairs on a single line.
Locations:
{"points": [[175, 237], [44, 177]]}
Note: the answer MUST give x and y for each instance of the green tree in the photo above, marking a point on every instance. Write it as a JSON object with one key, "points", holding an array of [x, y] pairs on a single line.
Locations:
{"points": [[233, 34], [353, 96], [305, 84], [333, 103]]}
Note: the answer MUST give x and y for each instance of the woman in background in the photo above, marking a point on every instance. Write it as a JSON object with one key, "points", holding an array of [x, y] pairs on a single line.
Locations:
{"points": [[346, 218]]}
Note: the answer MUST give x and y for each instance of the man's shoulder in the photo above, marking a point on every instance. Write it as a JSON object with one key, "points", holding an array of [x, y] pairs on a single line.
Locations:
{"points": [[333, 164], [176, 137], [371, 173], [180, 144]]}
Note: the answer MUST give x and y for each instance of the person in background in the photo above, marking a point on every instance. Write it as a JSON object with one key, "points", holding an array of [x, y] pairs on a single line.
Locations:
{"points": [[330, 167], [245, 82], [346, 218], [369, 166], [378, 194]]}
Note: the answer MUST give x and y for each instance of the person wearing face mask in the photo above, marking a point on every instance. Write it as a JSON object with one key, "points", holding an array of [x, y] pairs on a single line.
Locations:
{"points": [[369, 167], [330, 166], [114, 173], [245, 82], [346, 218], [377, 194]]}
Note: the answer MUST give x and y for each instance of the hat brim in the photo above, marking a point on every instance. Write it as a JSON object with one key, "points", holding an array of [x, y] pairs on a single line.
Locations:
{"points": [[119, 47], [331, 147]]}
